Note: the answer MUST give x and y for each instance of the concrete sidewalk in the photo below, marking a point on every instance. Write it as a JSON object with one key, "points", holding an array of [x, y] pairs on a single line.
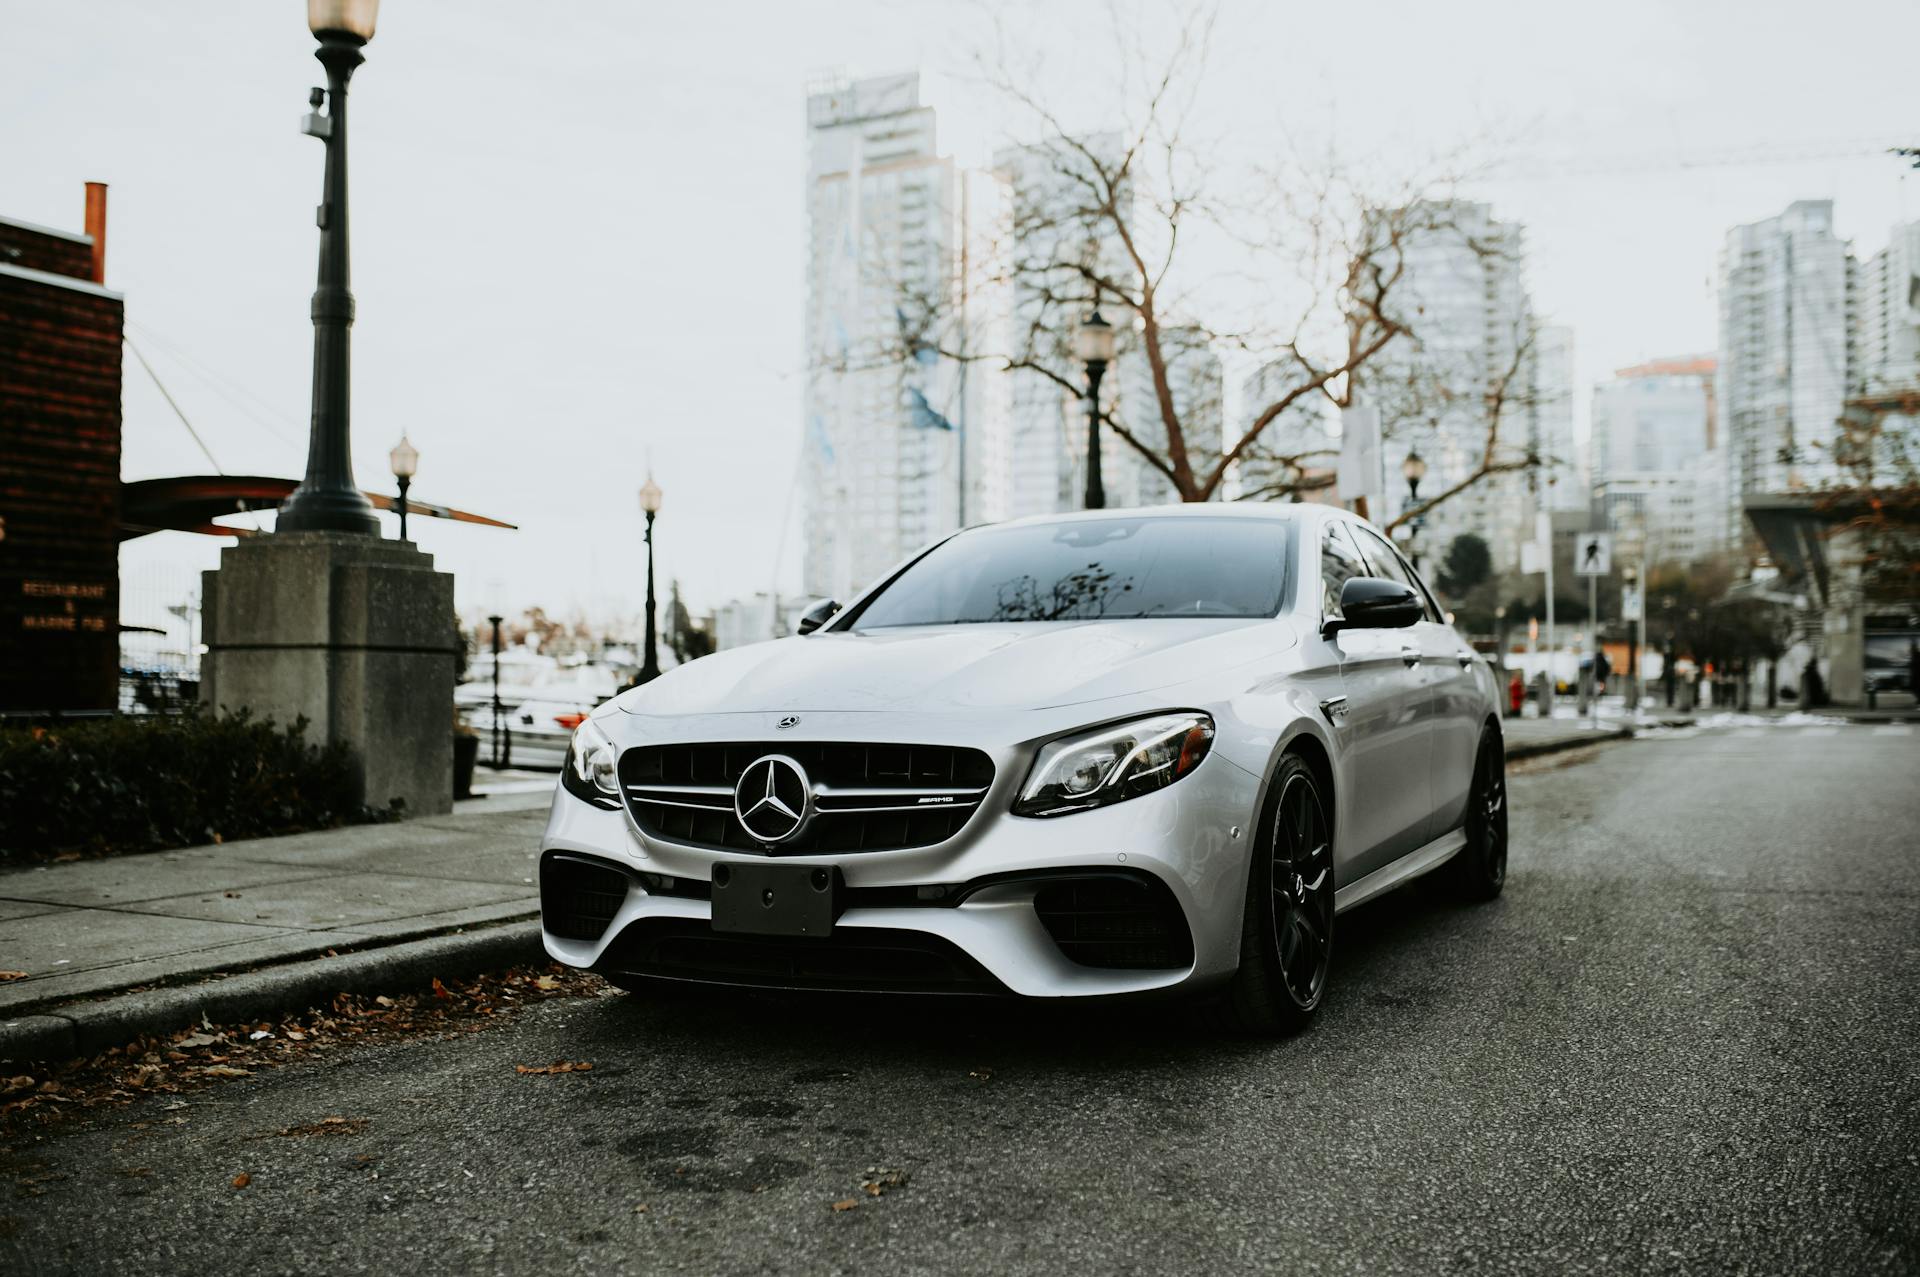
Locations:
{"points": [[93, 929]]}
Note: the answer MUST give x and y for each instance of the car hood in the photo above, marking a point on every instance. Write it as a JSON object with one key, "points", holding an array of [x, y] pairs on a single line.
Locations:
{"points": [[959, 667]]}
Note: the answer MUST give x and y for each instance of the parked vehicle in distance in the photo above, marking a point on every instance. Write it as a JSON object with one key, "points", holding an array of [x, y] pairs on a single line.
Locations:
{"points": [[1113, 753], [534, 733]]}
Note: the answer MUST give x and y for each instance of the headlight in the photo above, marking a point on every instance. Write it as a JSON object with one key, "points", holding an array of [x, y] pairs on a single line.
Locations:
{"points": [[1112, 764], [589, 773]]}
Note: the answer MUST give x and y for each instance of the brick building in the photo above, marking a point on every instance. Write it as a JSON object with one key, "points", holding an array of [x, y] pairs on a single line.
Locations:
{"points": [[60, 332]]}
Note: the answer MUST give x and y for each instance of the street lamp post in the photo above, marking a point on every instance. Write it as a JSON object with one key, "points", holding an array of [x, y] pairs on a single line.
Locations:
{"points": [[405, 461], [650, 506], [327, 500], [1093, 345], [495, 622], [1414, 468]]}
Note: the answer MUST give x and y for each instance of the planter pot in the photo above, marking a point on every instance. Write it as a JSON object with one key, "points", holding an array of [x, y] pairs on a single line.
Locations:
{"points": [[466, 751]]}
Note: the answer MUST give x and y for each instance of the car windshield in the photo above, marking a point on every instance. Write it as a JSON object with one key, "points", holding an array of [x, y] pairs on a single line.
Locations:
{"points": [[1093, 569]]}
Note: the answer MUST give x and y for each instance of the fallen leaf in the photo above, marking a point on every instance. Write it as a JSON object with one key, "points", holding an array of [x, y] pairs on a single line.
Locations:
{"points": [[66, 857], [257, 1034], [21, 975], [540, 982], [196, 1039], [846, 1204], [225, 1070], [242, 1180], [880, 1179], [642, 1209], [19, 1082], [440, 990], [558, 1066], [982, 1074], [385, 1001]]}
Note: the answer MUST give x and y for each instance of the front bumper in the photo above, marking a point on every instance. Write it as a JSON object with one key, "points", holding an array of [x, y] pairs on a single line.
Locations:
{"points": [[901, 916]]}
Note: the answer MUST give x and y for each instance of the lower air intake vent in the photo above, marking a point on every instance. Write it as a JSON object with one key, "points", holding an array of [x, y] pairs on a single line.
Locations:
{"points": [[579, 896], [853, 959], [1116, 921]]}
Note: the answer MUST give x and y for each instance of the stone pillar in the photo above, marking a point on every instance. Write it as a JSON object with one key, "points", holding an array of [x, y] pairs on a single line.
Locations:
{"points": [[1845, 621], [355, 634]]}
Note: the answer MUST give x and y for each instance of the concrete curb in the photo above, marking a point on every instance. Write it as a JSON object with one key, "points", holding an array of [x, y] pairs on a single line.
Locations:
{"points": [[83, 1028], [1537, 749]]}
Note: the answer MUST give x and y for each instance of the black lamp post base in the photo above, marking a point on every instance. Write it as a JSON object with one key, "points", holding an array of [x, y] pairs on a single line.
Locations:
{"points": [[323, 510]]}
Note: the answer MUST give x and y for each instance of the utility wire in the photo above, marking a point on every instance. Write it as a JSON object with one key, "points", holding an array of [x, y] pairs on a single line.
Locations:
{"points": [[227, 389], [173, 405]]}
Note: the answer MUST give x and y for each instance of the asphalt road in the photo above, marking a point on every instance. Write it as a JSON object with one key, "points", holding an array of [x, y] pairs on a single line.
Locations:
{"points": [[1684, 1041]]}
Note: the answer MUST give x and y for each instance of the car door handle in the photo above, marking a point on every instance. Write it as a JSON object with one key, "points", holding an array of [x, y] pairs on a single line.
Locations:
{"points": [[1410, 655]]}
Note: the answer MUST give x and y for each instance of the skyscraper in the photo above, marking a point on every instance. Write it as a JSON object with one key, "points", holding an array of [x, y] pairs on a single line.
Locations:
{"points": [[1563, 482], [1653, 460], [1786, 354], [903, 439], [1888, 314], [1463, 296]]}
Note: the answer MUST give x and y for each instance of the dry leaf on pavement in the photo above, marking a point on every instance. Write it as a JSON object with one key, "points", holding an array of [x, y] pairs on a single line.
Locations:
{"points": [[558, 1066], [440, 990], [879, 1179], [13, 975], [242, 1180], [846, 1204]]}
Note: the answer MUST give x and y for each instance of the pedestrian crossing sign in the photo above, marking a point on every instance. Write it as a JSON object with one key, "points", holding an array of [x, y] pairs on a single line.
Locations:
{"points": [[1593, 554]]}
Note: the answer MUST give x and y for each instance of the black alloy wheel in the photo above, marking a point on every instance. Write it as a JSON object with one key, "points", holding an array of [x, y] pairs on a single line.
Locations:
{"points": [[1480, 869], [1301, 892], [1286, 943]]}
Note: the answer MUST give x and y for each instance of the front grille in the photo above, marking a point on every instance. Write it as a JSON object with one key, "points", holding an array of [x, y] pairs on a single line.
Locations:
{"points": [[579, 896], [866, 797], [1116, 921], [852, 959]]}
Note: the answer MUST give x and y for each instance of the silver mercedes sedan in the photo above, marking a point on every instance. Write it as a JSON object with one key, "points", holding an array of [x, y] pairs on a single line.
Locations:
{"points": [[1123, 752]]}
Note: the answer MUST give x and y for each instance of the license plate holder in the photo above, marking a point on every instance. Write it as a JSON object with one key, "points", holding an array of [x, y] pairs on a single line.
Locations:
{"points": [[776, 900]]}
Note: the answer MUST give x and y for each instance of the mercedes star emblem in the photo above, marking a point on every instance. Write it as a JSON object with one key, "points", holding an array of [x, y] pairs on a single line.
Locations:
{"points": [[773, 799]]}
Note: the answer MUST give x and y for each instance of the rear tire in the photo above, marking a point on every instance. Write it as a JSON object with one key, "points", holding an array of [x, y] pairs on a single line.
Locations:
{"points": [[1286, 933], [1479, 871]]}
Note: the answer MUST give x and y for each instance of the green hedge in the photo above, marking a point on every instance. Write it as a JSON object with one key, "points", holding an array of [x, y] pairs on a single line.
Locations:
{"points": [[116, 785]]}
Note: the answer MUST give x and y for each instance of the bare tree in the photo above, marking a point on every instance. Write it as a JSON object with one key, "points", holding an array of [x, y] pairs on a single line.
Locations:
{"points": [[1417, 400], [1117, 221]]}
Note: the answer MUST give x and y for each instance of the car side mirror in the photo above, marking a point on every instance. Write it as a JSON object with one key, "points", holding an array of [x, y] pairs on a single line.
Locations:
{"points": [[816, 616], [1371, 603]]}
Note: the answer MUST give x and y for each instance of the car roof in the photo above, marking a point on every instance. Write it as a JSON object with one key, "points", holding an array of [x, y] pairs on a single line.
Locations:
{"points": [[1295, 511]]}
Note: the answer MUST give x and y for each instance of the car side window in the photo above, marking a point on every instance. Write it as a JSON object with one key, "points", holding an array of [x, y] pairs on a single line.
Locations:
{"points": [[1339, 562], [1387, 564]]}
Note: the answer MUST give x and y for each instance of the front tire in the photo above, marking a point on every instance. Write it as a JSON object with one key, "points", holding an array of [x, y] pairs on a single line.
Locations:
{"points": [[1286, 936], [1479, 871]]}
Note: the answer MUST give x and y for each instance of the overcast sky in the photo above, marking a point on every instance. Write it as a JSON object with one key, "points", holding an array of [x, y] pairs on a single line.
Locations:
{"points": [[578, 228]]}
